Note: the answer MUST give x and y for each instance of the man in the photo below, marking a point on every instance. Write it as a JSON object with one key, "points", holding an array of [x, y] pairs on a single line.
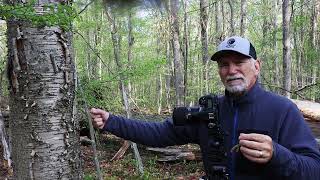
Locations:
{"points": [[275, 142]]}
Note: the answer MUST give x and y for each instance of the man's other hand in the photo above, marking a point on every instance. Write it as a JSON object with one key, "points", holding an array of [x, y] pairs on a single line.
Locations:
{"points": [[99, 117], [256, 147]]}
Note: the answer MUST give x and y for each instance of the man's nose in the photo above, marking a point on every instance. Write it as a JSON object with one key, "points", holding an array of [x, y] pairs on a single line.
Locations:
{"points": [[233, 69]]}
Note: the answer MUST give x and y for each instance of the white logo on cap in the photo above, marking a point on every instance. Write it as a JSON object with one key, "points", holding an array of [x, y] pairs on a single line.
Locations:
{"points": [[230, 43]]}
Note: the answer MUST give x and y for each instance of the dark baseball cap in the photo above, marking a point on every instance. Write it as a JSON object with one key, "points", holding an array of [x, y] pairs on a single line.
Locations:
{"points": [[235, 44]]}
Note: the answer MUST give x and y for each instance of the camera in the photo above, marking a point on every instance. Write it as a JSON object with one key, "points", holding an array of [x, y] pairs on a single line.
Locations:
{"points": [[207, 111]]}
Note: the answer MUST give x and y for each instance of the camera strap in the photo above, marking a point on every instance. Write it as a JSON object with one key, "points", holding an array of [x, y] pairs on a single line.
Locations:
{"points": [[217, 154]]}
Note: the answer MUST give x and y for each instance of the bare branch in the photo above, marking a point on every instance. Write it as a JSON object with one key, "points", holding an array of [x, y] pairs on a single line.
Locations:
{"points": [[306, 87], [270, 85], [97, 54], [85, 7], [292, 92], [93, 50]]}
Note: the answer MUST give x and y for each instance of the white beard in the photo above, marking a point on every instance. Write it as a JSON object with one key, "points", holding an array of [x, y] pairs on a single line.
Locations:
{"points": [[239, 88], [236, 89]]}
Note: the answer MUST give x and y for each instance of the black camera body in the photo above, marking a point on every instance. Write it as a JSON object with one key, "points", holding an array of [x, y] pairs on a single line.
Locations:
{"points": [[207, 112]]}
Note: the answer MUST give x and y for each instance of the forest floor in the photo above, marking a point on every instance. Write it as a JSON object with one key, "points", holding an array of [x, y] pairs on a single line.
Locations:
{"points": [[125, 168]]}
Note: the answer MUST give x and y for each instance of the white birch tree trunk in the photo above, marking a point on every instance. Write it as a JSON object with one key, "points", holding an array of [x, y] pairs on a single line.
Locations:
{"points": [[45, 139]]}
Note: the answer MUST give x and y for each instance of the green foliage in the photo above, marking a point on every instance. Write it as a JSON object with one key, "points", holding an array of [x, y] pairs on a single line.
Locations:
{"points": [[312, 53], [89, 177], [100, 95], [142, 69], [54, 15]]}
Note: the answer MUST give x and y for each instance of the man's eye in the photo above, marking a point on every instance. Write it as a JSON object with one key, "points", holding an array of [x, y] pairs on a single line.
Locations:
{"points": [[223, 65], [240, 62]]}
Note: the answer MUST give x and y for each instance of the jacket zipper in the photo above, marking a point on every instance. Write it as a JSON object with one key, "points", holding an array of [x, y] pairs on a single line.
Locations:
{"points": [[234, 141]]}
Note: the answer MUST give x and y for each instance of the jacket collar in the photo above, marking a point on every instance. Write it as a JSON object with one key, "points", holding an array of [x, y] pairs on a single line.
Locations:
{"points": [[247, 98]]}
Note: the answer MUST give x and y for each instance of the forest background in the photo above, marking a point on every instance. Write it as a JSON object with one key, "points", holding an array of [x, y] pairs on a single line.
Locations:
{"points": [[150, 56], [142, 35]]}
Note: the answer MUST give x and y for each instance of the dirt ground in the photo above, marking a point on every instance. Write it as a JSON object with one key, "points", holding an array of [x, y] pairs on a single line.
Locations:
{"points": [[125, 168]]}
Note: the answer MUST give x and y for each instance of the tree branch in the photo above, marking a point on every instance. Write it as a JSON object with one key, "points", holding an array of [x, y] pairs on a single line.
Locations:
{"points": [[270, 85], [97, 54], [93, 50], [212, 4], [85, 7], [292, 92], [306, 86]]}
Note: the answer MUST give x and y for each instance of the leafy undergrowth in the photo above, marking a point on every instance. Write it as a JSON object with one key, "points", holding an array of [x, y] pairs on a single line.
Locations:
{"points": [[125, 168]]}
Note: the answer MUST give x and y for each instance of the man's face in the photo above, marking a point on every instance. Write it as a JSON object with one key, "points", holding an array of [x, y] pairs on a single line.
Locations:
{"points": [[238, 73]]}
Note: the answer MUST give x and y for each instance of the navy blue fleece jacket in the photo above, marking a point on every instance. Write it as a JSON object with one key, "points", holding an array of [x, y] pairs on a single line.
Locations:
{"points": [[296, 154]]}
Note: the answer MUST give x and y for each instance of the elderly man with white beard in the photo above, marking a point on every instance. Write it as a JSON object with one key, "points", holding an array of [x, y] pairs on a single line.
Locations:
{"points": [[275, 142]]}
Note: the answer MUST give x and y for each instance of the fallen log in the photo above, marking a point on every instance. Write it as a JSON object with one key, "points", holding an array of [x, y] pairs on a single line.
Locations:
{"points": [[121, 151], [166, 151], [310, 110], [174, 154], [190, 156]]}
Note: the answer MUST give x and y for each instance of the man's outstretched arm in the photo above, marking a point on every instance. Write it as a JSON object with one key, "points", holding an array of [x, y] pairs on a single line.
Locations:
{"points": [[156, 134]]}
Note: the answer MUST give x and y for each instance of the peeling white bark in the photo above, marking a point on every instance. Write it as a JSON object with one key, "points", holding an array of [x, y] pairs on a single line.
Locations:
{"points": [[45, 139]]}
